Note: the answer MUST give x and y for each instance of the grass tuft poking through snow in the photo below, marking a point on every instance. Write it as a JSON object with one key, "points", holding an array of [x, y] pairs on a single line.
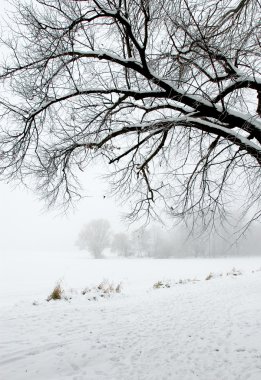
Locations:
{"points": [[106, 288], [212, 275], [56, 294], [209, 276], [161, 284], [234, 272]]}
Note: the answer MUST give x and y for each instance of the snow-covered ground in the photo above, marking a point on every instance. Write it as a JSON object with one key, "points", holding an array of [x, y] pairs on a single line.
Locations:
{"points": [[204, 330]]}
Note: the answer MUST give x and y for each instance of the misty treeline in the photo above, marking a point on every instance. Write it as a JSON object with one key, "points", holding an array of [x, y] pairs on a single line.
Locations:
{"points": [[98, 238]]}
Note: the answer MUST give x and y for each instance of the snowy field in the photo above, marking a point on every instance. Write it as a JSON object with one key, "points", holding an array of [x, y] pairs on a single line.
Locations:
{"points": [[182, 330]]}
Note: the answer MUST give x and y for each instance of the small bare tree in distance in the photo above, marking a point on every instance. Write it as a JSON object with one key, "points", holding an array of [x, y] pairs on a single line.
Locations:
{"points": [[167, 92], [95, 237], [121, 244]]}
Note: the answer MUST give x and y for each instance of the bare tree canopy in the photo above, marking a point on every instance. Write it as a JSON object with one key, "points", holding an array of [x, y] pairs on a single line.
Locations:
{"points": [[167, 92], [95, 237], [121, 244]]}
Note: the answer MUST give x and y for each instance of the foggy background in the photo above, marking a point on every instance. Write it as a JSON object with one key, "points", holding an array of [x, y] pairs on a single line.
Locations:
{"points": [[27, 225]]}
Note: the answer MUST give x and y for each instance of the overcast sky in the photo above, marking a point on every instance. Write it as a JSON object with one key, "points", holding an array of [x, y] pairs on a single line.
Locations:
{"points": [[26, 224]]}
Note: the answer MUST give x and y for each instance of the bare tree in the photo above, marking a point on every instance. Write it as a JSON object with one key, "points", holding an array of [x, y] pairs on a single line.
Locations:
{"points": [[167, 92], [121, 244], [153, 242], [95, 237]]}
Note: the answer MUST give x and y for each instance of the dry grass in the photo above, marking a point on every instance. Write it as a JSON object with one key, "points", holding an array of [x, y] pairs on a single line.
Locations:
{"points": [[209, 276], [161, 285], [104, 289], [186, 281], [234, 272], [107, 287], [56, 294], [86, 290], [213, 275], [168, 284]]}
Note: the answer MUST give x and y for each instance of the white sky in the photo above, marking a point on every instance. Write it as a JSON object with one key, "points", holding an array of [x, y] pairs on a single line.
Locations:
{"points": [[25, 224]]}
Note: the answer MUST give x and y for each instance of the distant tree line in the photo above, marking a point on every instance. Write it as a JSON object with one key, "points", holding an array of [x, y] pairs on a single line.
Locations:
{"points": [[98, 238]]}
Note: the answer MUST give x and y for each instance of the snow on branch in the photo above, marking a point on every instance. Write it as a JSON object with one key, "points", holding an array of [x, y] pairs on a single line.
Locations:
{"points": [[167, 92]]}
